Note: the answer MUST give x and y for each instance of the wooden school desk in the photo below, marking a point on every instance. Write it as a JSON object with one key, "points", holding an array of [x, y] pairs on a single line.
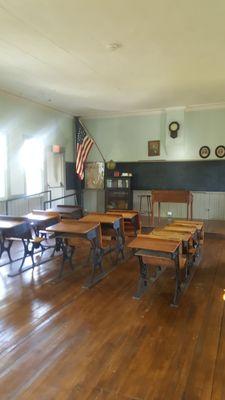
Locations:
{"points": [[91, 231], [110, 225], [68, 211], [198, 224], [171, 196], [10, 227], [130, 216], [184, 237], [159, 249], [18, 228]]}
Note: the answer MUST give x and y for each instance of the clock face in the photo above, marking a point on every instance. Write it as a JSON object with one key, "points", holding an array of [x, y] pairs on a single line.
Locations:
{"points": [[174, 126]]}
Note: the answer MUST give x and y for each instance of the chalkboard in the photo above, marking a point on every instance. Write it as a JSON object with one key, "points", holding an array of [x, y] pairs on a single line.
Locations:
{"points": [[175, 175], [72, 180]]}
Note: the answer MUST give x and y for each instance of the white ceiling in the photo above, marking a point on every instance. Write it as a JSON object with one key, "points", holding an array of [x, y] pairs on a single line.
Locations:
{"points": [[56, 52]]}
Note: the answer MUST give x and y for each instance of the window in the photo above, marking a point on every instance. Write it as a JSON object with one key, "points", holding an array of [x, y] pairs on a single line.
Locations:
{"points": [[33, 161], [3, 166]]}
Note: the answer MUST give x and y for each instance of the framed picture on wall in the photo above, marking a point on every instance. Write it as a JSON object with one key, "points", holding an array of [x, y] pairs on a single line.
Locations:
{"points": [[154, 148]]}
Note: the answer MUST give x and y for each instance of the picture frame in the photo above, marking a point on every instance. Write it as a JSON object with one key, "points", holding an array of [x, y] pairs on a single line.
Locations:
{"points": [[153, 148], [204, 152], [220, 151]]}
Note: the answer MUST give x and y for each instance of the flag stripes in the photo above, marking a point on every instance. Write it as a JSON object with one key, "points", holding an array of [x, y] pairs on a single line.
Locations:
{"points": [[84, 145]]}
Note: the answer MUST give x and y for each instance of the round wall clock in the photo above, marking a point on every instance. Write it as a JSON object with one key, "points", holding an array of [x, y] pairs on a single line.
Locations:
{"points": [[220, 151], [174, 127], [204, 152]]}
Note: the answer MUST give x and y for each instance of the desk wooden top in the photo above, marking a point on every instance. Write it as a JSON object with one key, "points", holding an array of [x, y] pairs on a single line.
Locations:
{"points": [[64, 209], [171, 196], [164, 246], [198, 224], [102, 218], [73, 227], [123, 213], [178, 228], [4, 224], [41, 217], [184, 236]]}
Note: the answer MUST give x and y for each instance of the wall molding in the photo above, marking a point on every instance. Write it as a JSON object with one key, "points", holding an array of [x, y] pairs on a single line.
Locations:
{"points": [[153, 111]]}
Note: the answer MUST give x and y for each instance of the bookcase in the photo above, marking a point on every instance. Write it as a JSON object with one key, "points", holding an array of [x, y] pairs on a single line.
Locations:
{"points": [[118, 193]]}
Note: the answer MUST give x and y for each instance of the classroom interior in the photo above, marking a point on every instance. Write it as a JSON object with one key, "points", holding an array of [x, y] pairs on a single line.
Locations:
{"points": [[112, 200]]}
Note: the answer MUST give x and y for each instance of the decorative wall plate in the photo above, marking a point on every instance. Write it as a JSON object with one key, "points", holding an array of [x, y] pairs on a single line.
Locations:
{"points": [[220, 151], [204, 152]]}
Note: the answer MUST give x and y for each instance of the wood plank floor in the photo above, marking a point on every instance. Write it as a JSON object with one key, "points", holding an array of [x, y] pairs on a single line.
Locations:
{"points": [[62, 342]]}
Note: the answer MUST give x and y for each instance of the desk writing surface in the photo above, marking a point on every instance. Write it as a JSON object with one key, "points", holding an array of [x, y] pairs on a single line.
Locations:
{"points": [[4, 224], [33, 216], [75, 227], [198, 224], [185, 236], [178, 228], [164, 246], [123, 214], [102, 218], [64, 210]]}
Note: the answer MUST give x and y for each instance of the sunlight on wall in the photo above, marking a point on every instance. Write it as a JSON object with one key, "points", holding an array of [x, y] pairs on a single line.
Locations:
{"points": [[3, 165], [32, 159]]}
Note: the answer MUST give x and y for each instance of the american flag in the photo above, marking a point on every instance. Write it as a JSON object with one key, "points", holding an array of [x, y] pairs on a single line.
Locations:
{"points": [[84, 145]]}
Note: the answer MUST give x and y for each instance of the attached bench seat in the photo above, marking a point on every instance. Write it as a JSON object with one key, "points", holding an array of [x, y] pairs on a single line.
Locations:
{"points": [[163, 262]]}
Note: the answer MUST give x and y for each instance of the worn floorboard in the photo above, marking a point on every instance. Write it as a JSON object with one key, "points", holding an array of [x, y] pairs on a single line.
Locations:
{"points": [[59, 341]]}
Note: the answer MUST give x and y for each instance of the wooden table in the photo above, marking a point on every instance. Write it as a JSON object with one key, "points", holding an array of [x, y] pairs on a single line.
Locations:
{"points": [[129, 216], [171, 196], [41, 219], [9, 227], [70, 212], [108, 223], [18, 228], [157, 248], [69, 229]]}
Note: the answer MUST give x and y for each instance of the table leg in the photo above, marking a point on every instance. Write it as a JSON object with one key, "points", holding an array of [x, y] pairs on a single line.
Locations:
{"points": [[140, 205], [134, 222], [120, 240], [7, 248], [191, 209], [98, 272], [68, 252], [177, 284], [143, 279], [159, 209], [149, 207], [152, 213]]}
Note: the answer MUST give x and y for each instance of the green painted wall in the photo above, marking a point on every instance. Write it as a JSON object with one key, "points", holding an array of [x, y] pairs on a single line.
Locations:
{"points": [[21, 118], [126, 138]]}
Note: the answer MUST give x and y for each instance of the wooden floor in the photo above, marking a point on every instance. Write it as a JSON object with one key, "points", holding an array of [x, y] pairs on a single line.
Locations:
{"points": [[61, 342]]}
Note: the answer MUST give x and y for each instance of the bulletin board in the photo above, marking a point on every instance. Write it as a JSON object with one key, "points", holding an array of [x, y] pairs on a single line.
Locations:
{"points": [[94, 175]]}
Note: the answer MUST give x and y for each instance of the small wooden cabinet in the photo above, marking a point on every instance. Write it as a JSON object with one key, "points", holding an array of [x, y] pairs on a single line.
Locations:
{"points": [[118, 193]]}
